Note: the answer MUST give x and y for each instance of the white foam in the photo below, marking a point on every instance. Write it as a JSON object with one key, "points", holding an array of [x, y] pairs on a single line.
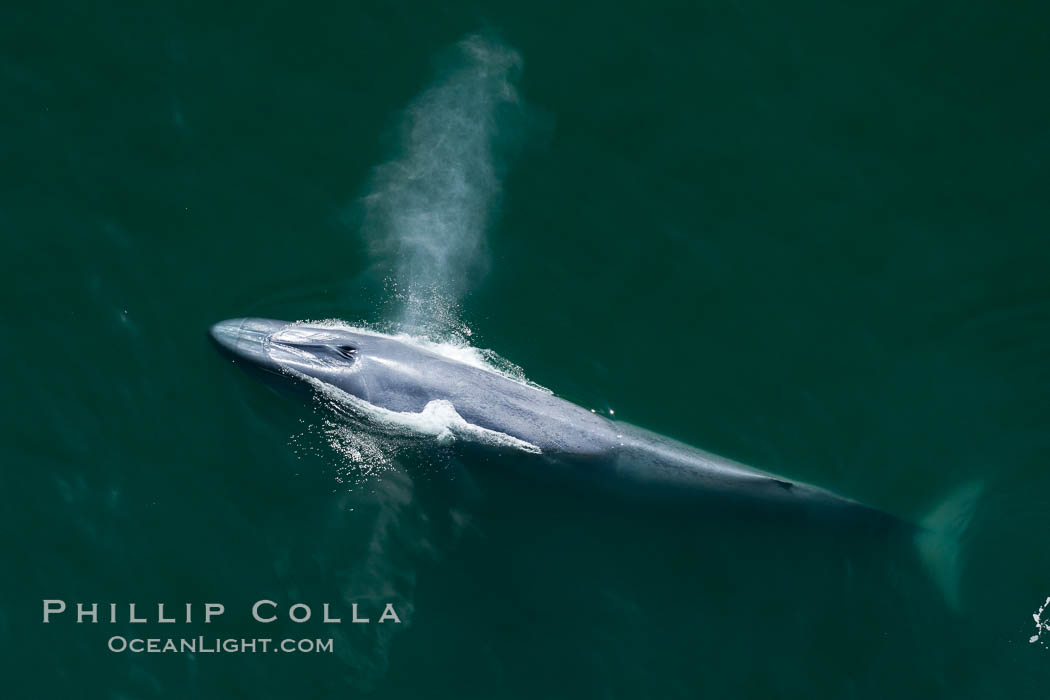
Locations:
{"points": [[1041, 625]]}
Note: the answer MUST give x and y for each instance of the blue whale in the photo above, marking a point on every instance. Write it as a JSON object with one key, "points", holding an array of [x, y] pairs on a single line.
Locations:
{"points": [[399, 378]]}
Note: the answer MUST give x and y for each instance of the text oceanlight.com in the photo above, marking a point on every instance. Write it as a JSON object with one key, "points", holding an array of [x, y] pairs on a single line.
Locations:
{"points": [[206, 645]]}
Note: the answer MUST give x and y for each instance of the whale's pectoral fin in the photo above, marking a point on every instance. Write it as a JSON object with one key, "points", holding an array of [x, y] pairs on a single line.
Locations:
{"points": [[939, 539]]}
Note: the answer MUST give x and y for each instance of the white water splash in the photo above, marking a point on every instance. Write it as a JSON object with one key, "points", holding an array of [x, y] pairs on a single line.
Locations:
{"points": [[1041, 625], [427, 211]]}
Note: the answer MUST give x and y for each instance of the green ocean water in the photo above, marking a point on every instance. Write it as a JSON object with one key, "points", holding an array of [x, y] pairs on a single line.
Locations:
{"points": [[811, 237]]}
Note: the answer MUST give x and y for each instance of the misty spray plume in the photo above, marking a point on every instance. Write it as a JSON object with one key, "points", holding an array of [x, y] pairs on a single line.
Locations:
{"points": [[427, 212]]}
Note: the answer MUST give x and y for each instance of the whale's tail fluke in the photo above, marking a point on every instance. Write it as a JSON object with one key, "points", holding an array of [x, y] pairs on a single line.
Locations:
{"points": [[939, 539]]}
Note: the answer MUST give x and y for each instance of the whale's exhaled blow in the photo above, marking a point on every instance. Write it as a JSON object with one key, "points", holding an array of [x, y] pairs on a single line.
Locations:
{"points": [[426, 212], [395, 378]]}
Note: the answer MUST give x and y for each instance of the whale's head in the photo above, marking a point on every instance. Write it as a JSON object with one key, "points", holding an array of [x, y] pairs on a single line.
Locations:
{"points": [[278, 347]]}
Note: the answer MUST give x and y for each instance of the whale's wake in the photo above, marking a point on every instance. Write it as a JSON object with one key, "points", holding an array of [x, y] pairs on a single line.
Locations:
{"points": [[426, 213]]}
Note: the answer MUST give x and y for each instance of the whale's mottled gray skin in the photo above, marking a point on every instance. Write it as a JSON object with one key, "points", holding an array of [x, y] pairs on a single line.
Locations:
{"points": [[400, 377]]}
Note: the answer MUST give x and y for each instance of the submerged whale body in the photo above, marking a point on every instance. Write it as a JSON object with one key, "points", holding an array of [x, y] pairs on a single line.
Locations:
{"points": [[394, 378]]}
